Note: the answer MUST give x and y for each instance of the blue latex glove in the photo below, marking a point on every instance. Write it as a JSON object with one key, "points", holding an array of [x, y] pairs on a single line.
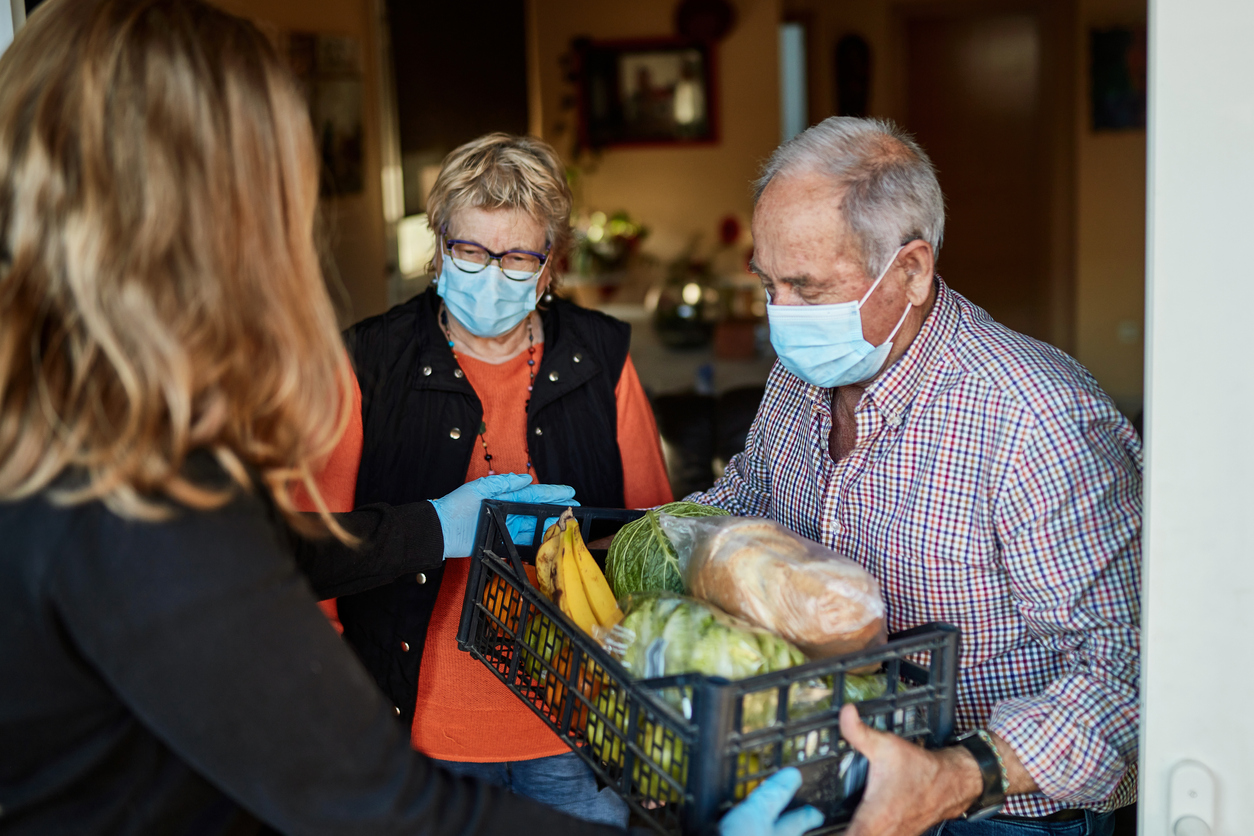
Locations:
{"points": [[522, 531], [459, 510], [759, 814]]}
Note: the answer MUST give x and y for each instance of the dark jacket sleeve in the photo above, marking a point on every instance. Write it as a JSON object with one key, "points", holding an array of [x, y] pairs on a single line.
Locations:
{"points": [[395, 541], [206, 630]]}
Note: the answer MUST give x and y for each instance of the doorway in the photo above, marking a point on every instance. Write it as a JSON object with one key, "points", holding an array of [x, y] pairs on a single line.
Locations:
{"points": [[980, 87]]}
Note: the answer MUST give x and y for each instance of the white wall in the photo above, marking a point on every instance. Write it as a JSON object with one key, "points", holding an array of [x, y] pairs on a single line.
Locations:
{"points": [[1199, 617]]}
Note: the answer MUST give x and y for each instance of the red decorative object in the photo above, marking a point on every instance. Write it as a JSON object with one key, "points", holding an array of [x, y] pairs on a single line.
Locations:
{"points": [[729, 230]]}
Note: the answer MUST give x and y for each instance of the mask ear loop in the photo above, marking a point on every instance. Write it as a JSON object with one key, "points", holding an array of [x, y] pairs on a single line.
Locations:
{"points": [[900, 322], [876, 284], [867, 296]]}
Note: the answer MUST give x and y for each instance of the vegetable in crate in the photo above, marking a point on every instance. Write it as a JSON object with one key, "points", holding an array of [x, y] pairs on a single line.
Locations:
{"points": [[758, 570], [666, 634], [675, 635], [642, 559]]}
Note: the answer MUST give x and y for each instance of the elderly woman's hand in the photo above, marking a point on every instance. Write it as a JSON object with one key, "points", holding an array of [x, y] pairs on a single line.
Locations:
{"points": [[459, 510]]}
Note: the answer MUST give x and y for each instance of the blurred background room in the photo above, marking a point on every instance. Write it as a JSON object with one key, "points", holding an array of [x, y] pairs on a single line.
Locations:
{"points": [[1033, 111]]}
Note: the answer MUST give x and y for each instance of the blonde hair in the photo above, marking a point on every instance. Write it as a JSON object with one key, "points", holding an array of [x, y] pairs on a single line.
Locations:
{"points": [[160, 289], [504, 171]]}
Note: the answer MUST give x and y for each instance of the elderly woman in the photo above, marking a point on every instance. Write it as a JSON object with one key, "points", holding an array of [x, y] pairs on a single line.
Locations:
{"points": [[488, 372]]}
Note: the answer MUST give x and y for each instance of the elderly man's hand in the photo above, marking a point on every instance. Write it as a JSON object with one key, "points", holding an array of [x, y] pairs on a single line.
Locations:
{"points": [[909, 788]]}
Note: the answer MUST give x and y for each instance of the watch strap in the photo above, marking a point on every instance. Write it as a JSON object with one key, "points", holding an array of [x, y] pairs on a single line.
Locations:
{"points": [[993, 795]]}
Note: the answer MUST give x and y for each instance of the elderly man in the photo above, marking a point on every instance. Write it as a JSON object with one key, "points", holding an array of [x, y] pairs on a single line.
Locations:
{"points": [[982, 476]]}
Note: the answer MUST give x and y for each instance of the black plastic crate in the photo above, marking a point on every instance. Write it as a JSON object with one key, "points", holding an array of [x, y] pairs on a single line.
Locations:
{"points": [[678, 749]]}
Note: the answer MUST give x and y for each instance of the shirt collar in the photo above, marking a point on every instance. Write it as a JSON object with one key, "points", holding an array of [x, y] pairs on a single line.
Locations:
{"points": [[893, 391]]}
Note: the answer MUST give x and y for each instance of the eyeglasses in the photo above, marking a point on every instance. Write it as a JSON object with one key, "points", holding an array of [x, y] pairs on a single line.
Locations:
{"points": [[517, 265]]}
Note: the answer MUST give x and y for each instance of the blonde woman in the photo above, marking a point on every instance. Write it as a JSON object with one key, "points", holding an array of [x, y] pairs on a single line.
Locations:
{"points": [[169, 367], [488, 373]]}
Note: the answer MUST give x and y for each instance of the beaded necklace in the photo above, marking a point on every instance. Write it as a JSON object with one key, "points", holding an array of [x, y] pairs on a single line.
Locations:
{"points": [[531, 369]]}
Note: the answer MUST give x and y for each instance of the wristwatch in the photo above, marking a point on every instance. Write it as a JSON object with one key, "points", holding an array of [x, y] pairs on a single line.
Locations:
{"points": [[994, 794]]}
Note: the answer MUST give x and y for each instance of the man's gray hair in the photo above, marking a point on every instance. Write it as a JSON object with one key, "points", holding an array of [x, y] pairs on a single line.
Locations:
{"points": [[891, 194]]}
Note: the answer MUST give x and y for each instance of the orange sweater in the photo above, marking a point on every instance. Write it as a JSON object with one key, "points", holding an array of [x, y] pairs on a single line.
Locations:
{"points": [[463, 712], [338, 481]]}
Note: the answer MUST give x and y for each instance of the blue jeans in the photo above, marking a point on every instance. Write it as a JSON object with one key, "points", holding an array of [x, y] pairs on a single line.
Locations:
{"points": [[1093, 824], [563, 782]]}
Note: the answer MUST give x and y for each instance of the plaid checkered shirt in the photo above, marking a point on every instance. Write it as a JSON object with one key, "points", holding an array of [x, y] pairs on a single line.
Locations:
{"points": [[993, 486]]}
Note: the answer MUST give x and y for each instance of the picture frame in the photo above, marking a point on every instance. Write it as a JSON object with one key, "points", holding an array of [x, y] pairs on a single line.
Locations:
{"points": [[640, 93], [1118, 78]]}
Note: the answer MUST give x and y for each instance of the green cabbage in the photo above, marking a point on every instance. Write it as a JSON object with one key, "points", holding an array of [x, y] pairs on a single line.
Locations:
{"points": [[642, 559]]}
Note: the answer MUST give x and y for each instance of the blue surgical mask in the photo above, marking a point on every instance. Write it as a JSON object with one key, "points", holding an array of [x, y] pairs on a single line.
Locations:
{"points": [[486, 303], [823, 344]]}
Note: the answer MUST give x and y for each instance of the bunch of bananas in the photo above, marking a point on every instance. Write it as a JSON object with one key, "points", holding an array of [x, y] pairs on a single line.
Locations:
{"points": [[569, 577]]}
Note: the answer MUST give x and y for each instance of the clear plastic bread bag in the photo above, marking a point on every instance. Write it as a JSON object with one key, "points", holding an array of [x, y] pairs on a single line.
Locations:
{"points": [[758, 570]]}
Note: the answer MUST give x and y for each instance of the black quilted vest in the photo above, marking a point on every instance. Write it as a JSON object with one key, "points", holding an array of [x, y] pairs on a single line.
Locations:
{"points": [[420, 422]]}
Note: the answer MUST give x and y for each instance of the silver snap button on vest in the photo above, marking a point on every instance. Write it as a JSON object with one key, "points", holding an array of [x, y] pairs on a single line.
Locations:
{"points": [[404, 647], [578, 358], [458, 373], [396, 710], [455, 433], [539, 431], [553, 377], [421, 578], [426, 371]]}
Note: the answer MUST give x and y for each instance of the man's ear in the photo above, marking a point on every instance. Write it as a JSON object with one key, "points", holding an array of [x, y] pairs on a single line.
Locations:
{"points": [[919, 264]]}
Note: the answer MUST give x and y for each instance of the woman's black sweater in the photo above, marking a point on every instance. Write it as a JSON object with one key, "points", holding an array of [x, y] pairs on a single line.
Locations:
{"points": [[177, 677]]}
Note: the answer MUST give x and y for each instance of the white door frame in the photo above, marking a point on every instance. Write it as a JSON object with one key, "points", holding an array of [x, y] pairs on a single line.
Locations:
{"points": [[1198, 674]]}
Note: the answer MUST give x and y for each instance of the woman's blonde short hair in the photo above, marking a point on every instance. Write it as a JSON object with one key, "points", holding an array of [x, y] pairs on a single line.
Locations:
{"points": [[160, 289], [504, 171]]}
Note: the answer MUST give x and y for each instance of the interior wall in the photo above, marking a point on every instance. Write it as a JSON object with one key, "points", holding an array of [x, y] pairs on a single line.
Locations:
{"points": [[677, 192], [1110, 230], [1099, 292], [353, 223]]}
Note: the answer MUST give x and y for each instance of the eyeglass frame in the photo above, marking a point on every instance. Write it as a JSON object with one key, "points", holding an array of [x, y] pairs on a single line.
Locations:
{"points": [[448, 248]]}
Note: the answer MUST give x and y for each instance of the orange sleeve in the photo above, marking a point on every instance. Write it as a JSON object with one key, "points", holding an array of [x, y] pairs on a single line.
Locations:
{"points": [[645, 482], [337, 481]]}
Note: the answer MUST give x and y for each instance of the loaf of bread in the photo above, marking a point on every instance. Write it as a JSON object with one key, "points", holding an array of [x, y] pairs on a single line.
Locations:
{"points": [[756, 569]]}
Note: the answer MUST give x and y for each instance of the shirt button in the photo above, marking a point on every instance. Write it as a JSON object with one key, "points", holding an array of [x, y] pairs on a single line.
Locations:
{"points": [[426, 371], [553, 377], [455, 433], [404, 647], [458, 373], [578, 358], [421, 578], [539, 431]]}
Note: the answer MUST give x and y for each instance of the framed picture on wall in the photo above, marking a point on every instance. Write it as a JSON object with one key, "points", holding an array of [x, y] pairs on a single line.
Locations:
{"points": [[652, 92], [1118, 85]]}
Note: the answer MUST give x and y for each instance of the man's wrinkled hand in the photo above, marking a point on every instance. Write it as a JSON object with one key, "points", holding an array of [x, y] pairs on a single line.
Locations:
{"points": [[909, 788]]}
